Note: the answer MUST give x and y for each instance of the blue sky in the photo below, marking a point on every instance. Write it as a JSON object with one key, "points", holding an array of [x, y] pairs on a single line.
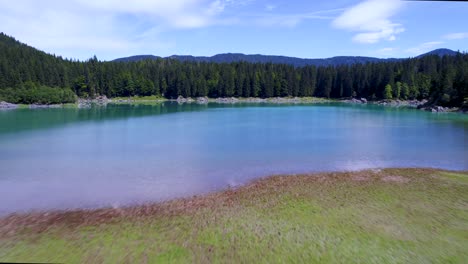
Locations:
{"points": [[309, 29]]}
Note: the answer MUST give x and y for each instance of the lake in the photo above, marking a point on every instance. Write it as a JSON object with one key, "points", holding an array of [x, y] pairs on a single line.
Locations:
{"points": [[128, 154]]}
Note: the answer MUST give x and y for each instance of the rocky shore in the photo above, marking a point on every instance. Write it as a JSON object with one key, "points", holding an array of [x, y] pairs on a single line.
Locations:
{"points": [[5, 105], [422, 105], [233, 100], [103, 101], [86, 103], [40, 106]]}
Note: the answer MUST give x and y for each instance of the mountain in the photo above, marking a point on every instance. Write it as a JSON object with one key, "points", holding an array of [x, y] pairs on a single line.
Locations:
{"points": [[298, 62], [440, 53], [258, 58], [137, 58]]}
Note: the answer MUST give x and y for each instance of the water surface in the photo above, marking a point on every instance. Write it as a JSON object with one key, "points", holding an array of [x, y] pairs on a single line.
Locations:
{"points": [[127, 154]]}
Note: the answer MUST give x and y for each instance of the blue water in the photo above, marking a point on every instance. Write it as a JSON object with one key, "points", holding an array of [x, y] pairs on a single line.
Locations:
{"points": [[128, 154]]}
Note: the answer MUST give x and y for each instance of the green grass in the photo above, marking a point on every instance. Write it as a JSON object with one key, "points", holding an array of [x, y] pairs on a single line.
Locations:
{"points": [[388, 216], [139, 98], [22, 106], [66, 105]]}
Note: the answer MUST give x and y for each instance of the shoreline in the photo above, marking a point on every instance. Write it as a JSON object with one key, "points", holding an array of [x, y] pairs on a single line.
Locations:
{"points": [[103, 101], [314, 218], [188, 204]]}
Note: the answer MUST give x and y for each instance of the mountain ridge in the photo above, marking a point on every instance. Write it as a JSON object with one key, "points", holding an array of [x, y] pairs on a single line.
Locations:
{"points": [[278, 59]]}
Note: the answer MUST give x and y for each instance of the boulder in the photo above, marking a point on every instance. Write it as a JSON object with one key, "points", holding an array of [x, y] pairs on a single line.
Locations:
{"points": [[202, 100], [181, 99], [102, 99], [441, 109], [5, 105]]}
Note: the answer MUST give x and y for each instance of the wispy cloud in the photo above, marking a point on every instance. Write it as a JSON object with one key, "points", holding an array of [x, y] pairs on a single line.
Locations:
{"points": [[371, 20], [80, 28], [387, 51], [106, 26], [453, 36], [424, 47], [290, 20], [270, 7]]}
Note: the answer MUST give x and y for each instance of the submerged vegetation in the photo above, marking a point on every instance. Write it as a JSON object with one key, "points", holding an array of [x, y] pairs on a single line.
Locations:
{"points": [[373, 216], [441, 80]]}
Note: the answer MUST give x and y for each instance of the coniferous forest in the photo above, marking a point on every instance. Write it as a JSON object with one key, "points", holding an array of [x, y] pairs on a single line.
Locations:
{"points": [[28, 75]]}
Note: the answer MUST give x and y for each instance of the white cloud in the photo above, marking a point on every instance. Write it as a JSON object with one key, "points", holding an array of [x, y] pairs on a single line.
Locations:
{"points": [[424, 47], [453, 36], [292, 20], [80, 28], [175, 13], [371, 20], [286, 20]]}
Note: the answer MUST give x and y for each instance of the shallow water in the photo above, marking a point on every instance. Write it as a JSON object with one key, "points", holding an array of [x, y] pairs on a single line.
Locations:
{"points": [[127, 154]]}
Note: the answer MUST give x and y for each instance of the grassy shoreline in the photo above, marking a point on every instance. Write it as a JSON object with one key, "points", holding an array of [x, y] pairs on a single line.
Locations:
{"points": [[378, 216]]}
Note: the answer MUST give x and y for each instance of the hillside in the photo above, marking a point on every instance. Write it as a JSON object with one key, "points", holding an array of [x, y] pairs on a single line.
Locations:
{"points": [[28, 75], [298, 62], [440, 53]]}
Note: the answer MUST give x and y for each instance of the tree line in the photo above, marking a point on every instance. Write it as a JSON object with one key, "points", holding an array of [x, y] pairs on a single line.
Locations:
{"points": [[442, 80]]}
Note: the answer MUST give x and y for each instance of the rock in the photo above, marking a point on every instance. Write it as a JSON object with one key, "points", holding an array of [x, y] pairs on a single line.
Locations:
{"points": [[125, 100], [5, 105], [356, 101], [441, 109], [353, 101], [227, 100], [202, 100], [39, 106], [84, 103], [255, 100], [181, 99], [364, 100], [101, 100], [436, 109]]}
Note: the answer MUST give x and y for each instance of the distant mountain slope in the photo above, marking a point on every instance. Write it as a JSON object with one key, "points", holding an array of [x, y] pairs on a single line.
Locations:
{"points": [[440, 52], [137, 58], [258, 58]]}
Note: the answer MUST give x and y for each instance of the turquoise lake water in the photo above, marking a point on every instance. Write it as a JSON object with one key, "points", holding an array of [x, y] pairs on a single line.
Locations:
{"points": [[128, 154]]}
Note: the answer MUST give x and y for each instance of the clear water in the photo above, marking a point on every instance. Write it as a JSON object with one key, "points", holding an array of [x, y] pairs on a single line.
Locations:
{"points": [[127, 154]]}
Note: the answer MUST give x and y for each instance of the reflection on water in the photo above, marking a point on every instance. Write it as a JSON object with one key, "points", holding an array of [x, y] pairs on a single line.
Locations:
{"points": [[125, 154]]}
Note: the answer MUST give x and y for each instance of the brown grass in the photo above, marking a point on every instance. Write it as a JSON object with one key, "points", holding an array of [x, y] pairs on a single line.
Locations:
{"points": [[38, 222]]}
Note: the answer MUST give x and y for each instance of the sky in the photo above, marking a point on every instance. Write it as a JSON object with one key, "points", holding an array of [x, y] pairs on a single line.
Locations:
{"points": [[112, 29]]}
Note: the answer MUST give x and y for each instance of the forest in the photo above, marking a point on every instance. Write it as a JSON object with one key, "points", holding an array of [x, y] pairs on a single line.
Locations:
{"points": [[28, 75]]}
